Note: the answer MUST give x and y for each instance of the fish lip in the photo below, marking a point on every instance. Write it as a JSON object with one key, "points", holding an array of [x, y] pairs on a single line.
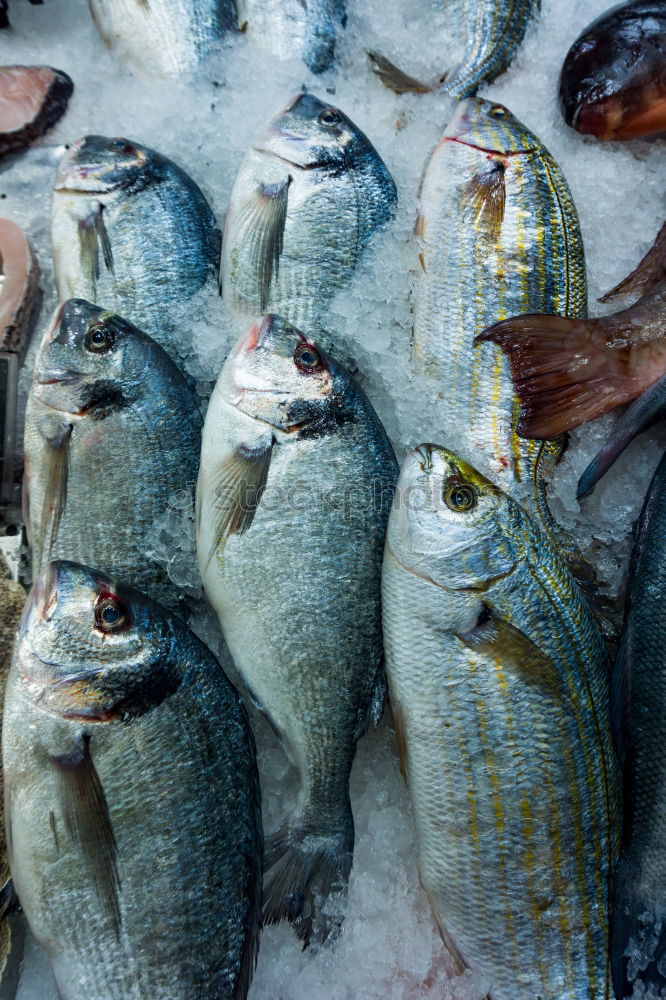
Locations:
{"points": [[316, 165], [58, 376], [491, 152]]}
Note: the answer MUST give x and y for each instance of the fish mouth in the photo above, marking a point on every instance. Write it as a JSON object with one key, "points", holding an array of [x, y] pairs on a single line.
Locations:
{"points": [[56, 376]]}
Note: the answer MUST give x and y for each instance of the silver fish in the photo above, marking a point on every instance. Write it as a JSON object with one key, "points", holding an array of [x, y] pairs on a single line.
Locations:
{"points": [[164, 37], [307, 200], [294, 490], [131, 232], [499, 686], [295, 28], [132, 798], [112, 433]]}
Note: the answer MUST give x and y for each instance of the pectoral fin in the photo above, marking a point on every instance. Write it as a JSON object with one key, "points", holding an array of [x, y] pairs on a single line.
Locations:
{"points": [[237, 487], [485, 199], [56, 471], [88, 823], [93, 236], [261, 225], [394, 79]]}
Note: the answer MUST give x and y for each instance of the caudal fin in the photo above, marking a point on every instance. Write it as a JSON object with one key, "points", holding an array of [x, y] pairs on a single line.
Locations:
{"points": [[650, 272], [303, 870], [564, 372], [394, 79]]}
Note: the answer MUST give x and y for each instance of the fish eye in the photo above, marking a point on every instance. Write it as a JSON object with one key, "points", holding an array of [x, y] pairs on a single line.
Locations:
{"points": [[307, 358], [99, 339], [122, 146], [497, 111], [330, 117], [460, 497], [111, 615]]}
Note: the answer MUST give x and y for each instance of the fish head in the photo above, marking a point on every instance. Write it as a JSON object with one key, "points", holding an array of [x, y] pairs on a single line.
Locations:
{"points": [[80, 625], [99, 165], [490, 127], [447, 522], [90, 360], [274, 374], [310, 133]]}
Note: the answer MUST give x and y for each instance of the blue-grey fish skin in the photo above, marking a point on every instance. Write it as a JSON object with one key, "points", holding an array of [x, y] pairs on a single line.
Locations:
{"points": [[164, 37], [132, 797], [308, 198], [291, 28], [132, 232], [112, 436], [639, 700], [491, 32]]}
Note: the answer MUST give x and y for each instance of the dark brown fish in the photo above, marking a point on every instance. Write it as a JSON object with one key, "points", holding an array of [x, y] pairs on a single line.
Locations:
{"points": [[569, 371], [32, 100], [613, 81]]}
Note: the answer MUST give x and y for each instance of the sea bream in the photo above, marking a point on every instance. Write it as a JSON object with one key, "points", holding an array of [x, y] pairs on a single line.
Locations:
{"points": [[132, 797], [295, 28], [296, 481], [498, 678], [309, 196], [163, 37], [112, 435], [497, 233], [131, 232]]}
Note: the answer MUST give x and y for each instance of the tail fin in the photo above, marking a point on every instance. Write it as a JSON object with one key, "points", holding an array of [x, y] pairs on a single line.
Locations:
{"points": [[638, 936], [303, 869], [643, 412], [650, 272], [394, 79], [564, 371]]}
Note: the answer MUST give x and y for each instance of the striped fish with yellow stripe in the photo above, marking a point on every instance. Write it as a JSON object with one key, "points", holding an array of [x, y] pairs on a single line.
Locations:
{"points": [[499, 686], [499, 235]]}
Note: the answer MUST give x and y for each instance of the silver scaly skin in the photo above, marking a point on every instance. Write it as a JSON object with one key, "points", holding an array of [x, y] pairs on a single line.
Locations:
{"points": [[489, 33], [132, 797], [498, 679], [498, 235], [112, 433], [307, 200], [293, 28], [163, 37], [131, 232], [295, 486]]}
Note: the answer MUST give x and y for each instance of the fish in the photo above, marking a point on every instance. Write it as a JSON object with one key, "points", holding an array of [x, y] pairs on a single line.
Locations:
{"points": [[295, 28], [32, 100], [497, 227], [486, 34], [307, 200], [131, 232], [569, 371], [166, 38], [112, 435], [295, 486], [131, 795], [613, 80], [19, 288], [498, 681]]}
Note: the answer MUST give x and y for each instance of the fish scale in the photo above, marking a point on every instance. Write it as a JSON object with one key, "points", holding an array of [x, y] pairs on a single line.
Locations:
{"points": [[510, 766], [475, 271]]}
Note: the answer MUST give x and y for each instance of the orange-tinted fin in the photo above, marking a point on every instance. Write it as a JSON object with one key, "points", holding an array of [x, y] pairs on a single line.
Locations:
{"points": [[87, 821], [562, 372], [485, 199], [650, 272], [394, 79]]}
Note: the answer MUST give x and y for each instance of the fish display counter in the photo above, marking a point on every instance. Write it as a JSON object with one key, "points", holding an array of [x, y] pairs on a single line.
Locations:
{"points": [[318, 499]]}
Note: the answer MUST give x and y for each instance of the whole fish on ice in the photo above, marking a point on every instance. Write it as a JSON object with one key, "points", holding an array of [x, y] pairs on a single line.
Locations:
{"points": [[498, 679], [132, 798], [295, 486], [497, 229], [307, 200], [484, 34], [164, 37], [305, 28], [131, 232], [112, 433]]}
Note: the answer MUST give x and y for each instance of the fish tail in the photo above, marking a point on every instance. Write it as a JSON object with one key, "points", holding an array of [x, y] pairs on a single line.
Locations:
{"points": [[637, 936], [562, 372], [394, 79], [303, 867], [648, 273]]}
